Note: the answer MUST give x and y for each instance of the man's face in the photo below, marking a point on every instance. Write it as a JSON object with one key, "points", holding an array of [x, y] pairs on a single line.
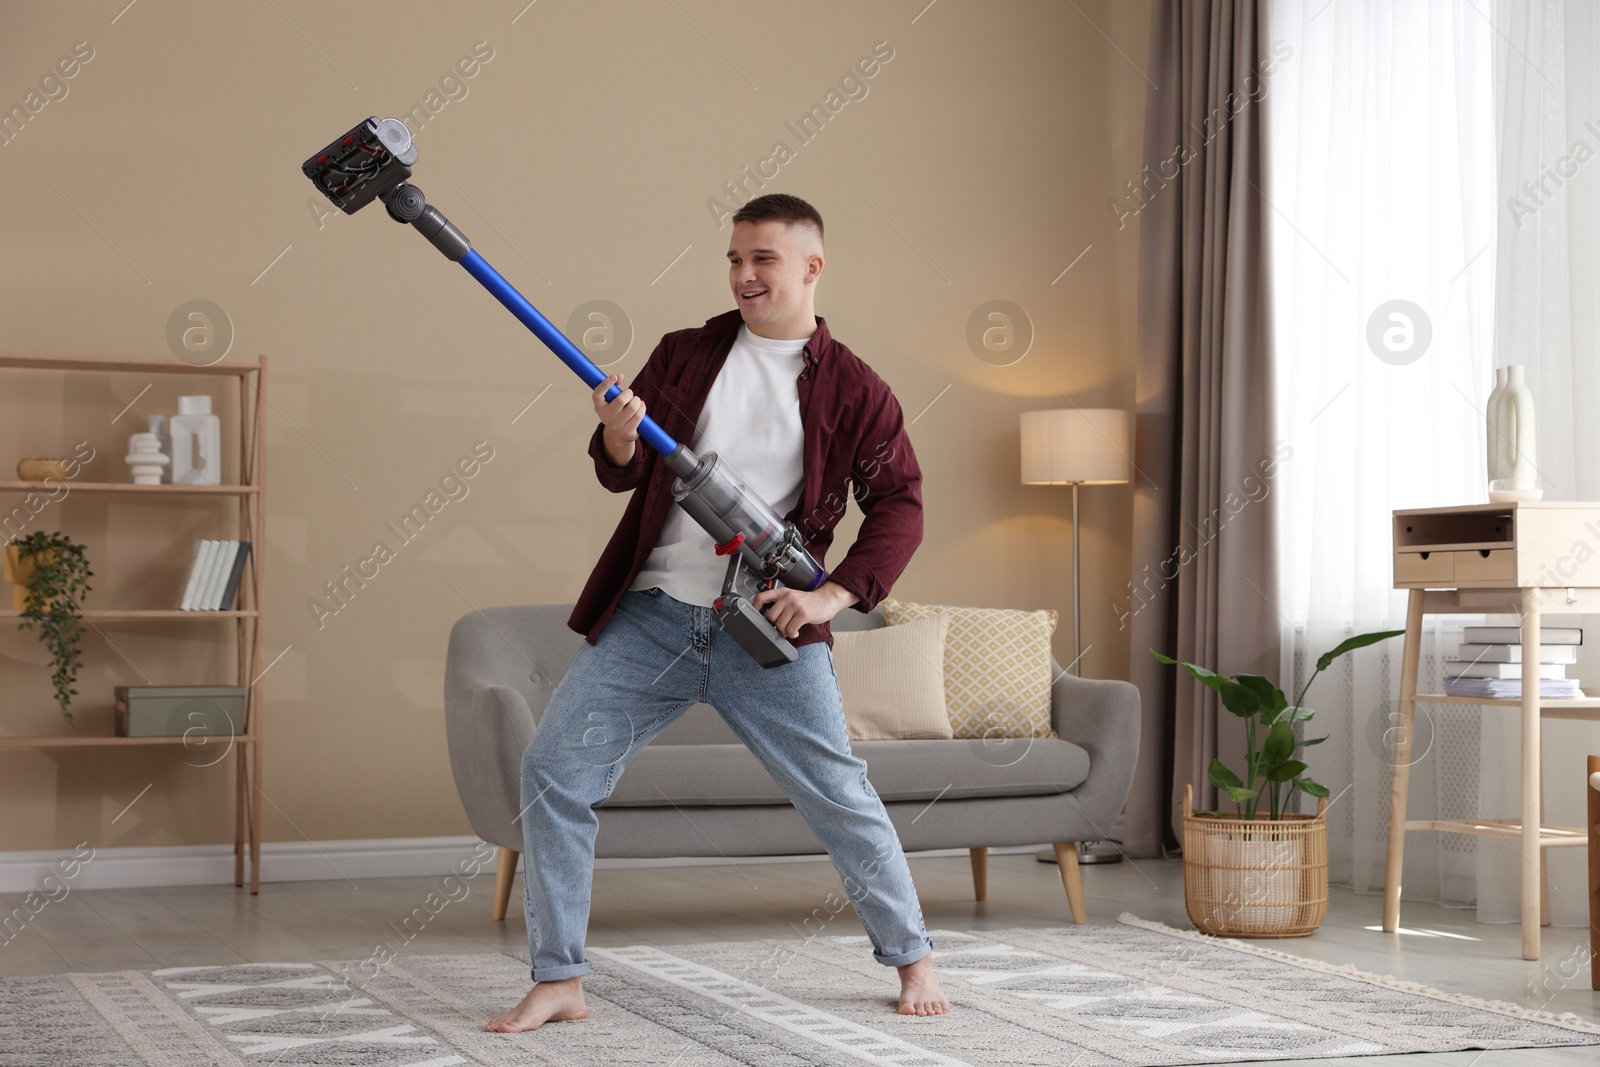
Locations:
{"points": [[772, 267]]}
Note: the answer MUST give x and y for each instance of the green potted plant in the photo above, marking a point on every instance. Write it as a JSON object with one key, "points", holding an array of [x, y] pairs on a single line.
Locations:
{"points": [[1262, 871], [53, 574]]}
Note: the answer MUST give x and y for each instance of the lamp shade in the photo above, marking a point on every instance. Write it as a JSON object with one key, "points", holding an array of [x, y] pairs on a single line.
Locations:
{"points": [[1091, 446]]}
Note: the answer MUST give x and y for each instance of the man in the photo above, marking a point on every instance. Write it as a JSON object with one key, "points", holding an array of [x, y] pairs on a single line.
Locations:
{"points": [[800, 417]]}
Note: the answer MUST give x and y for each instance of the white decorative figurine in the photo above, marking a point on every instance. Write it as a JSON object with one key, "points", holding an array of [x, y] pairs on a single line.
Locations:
{"points": [[146, 459]]}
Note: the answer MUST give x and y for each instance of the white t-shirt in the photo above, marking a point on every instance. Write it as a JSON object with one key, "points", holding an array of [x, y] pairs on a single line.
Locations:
{"points": [[751, 420]]}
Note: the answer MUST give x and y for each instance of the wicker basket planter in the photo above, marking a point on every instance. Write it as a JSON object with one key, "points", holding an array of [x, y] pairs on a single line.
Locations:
{"points": [[1255, 877]]}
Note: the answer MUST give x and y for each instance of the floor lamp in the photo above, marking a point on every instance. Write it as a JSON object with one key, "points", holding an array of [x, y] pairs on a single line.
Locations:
{"points": [[1077, 446]]}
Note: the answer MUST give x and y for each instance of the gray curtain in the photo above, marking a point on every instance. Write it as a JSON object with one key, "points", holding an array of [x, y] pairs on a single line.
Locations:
{"points": [[1204, 551]]}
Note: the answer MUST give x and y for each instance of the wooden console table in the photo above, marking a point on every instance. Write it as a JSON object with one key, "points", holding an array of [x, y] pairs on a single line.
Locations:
{"points": [[1527, 559]]}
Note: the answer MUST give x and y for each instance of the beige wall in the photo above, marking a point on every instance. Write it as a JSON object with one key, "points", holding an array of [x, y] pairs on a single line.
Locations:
{"points": [[581, 159]]}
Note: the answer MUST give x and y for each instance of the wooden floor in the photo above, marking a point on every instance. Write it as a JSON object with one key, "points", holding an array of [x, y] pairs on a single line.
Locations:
{"points": [[117, 929]]}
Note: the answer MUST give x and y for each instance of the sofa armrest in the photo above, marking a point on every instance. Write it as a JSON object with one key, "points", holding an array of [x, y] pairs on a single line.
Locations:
{"points": [[487, 733], [1101, 717]]}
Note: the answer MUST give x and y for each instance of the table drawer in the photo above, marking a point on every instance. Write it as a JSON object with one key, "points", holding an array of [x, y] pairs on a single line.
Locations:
{"points": [[1435, 568], [1485, 565]]}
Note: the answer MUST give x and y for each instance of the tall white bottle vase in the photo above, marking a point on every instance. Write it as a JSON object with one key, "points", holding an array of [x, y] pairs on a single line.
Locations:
{"points": [[196, 443], [1499, 442], [1520, 480], [1508, 425], [1524, 473]]}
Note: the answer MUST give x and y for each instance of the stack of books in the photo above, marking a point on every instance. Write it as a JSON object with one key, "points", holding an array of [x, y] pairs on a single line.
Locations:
{"points": [[1489, 663], [214, 575]]}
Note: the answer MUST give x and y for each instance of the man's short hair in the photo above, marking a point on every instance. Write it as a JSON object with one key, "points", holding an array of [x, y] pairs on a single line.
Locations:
{"points": [[780, 207]]}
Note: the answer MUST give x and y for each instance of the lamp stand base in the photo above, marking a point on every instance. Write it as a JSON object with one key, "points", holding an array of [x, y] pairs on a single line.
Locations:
{"points": [[1088, 852]]}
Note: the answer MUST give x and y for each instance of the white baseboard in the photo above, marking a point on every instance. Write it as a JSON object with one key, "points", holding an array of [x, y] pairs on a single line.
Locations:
{"points": [[281, 861], [306, 861]]}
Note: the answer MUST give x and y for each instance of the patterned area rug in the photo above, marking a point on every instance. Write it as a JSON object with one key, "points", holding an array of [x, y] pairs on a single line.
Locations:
{"points": [[1131, 993]]}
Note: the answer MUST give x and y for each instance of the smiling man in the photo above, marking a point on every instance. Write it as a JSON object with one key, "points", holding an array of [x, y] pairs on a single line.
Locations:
{"points": [[804, 421]]}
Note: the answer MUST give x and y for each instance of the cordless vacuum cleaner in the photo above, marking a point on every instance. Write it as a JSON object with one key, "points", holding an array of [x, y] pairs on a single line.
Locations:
{"points": [[373, 161]]}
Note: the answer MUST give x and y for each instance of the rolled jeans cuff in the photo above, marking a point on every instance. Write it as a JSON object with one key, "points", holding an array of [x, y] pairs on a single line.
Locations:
{"points": [[557, 974], [905, 958]]}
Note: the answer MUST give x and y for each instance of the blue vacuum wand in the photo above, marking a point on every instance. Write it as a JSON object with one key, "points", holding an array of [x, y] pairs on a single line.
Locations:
{"points": [[372, 162]]}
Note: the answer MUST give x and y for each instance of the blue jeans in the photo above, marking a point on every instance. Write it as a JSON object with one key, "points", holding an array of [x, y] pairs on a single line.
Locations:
{"points": [[656, 658]]}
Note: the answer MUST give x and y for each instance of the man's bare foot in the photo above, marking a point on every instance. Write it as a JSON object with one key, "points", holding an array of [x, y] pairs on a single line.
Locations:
{"points": [[919, 989], [561, 1001]]}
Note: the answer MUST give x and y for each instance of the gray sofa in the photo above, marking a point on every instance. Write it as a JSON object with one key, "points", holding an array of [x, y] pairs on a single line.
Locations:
{"points": [[696, 791]]}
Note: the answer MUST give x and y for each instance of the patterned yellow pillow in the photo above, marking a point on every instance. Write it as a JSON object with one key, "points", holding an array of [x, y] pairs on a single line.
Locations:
{"points": [[996, 667]]}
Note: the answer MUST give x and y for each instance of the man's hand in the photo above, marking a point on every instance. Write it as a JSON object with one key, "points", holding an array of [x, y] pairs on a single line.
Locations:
{"points": [[793, 608], [621, 418]]}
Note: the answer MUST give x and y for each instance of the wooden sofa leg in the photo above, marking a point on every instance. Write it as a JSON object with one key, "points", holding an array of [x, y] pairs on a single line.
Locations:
{"points": [[505, 877], [980, 873], [1067, 860]]}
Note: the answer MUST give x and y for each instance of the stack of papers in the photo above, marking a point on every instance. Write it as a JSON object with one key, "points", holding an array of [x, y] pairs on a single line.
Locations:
{"points": [[1511, 688]]}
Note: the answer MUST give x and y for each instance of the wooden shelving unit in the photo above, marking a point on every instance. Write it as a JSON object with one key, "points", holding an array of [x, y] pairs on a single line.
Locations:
{"points": [[246, 620]]}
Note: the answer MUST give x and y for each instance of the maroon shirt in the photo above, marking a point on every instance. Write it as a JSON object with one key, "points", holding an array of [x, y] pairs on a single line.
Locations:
{"points": [[855, 441]]}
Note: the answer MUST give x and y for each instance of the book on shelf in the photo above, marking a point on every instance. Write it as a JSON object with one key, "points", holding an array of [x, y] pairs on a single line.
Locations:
{"points": [[219, 576], [1512, 635], [1487, 669], [214, 575], [1511, 688], [1470, 653], [200, 601], [230, 592], [197, 577], [197, 565]]}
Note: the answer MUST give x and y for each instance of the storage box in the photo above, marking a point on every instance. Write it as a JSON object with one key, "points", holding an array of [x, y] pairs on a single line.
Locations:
{"points": [[179, 710]]}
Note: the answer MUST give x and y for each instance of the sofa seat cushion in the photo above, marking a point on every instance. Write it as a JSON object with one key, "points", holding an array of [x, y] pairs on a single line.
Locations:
{"points": [[715, 775]]}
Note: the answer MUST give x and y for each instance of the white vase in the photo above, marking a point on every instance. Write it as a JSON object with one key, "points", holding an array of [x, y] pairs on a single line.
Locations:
{"points": [[1500, 444], [1520, 479], [196, 429]]}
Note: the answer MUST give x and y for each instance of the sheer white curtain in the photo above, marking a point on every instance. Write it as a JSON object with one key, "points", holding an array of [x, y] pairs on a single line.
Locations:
{"points": [[1400, 135], [1547, 127], [1381, 171]]}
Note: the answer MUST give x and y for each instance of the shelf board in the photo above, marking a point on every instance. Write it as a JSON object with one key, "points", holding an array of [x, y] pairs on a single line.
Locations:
{"points": [[129, 487], [1457, 546], [134, 366], [1589, 700], [1581, 709], [91, 740], [172, 613], [1549, 836]]}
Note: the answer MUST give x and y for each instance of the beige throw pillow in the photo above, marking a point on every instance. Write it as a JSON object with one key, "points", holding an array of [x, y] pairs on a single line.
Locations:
{"points": [[892, 681], [997, 672]]}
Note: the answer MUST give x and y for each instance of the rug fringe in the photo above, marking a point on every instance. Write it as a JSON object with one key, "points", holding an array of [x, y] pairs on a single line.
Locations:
{"points": [[1347, 970]]}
